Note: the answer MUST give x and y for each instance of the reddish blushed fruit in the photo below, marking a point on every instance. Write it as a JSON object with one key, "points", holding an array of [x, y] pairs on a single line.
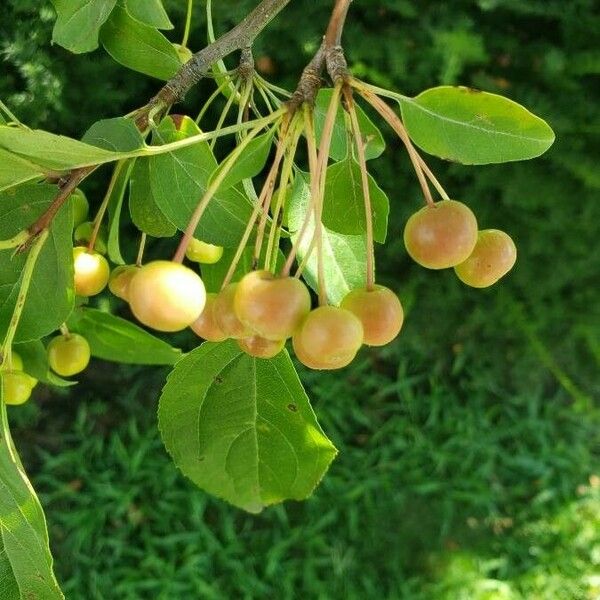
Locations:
{"points": [[380, 312], [441, 236], [225, 315], [166, 296], [16, 387], [329, 338], [273, 307], [260, 347], [493, 257], [91, 271], [68, 354], [119, 281], [204, 253], [206, 326]]}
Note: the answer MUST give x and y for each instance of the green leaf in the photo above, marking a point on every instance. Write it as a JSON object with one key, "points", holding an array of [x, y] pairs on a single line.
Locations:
{"points": [[250, 163], [149, 12], [51, 151], [242, 428], [78, 23], [344, 256], [25, 559], [144, 211], [15, 170], [115, 205], [474, 128], [35, 360], [214, 275], [51, 296], [179, 180], [118, 340], [117, 135], [344, 201], [138, 46], [374, 142]]}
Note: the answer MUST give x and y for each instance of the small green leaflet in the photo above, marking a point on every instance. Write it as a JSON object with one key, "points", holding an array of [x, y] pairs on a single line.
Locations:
{"points": [[179, 180], [474, 128], [51, 296], [374, 142], [250, 163], [242, 428], [344, 201], [35, 360], [344, 256], [116, 135], [78, 23], [25, 559], [115, 205], [149, 12], [145, 213], [118, 340], [139, 47], [15, 170]]}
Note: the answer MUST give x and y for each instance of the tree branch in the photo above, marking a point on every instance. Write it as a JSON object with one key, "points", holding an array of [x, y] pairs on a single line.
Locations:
{"points": [[333, 36]]}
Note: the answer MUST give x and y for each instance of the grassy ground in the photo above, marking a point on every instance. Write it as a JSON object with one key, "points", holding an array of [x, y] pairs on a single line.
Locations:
{"points": [[468, 464]]}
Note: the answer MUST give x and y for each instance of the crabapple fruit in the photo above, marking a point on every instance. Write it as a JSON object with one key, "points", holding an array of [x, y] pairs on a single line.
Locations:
{"points": [[120, 278], [91, 271], [206, 326], [225, 315], [442, 235], [166, 296], [260, 347], [493, 257], [202, 252], [68, 354]]}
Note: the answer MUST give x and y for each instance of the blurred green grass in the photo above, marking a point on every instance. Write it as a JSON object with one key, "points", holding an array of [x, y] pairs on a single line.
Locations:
{"points": [[468, 464]]}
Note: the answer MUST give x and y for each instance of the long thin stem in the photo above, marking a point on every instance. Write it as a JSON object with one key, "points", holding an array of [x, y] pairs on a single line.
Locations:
{"points": [[434, 180], [286, 173], [15, 241], [362, 161], [11, 115], [333, 36], [261, 205], [225, 112], [141, 248], [396, 124], [104, 206], [188, 23], [34, 252], [215, 184], [211, 99]]}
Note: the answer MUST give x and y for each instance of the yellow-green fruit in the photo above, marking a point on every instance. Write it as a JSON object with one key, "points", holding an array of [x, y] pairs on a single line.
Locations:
{"points": [[16, 388], [441, 236], [329, 338], [166, 296], [184, 53], [380, 312], [81, 207], [68, 354], [17, 365], [273, 307], [206, 326], [493, 257], [119, 281], [260, 347], [225, 315], [201, 252], [83, 234], [91, 271]]}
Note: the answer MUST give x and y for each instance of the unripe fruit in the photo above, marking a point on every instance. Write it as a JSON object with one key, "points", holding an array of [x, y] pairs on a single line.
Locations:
{"points": [[493, 257], [16, 388], [119, 281], [380, 312], [441, 236], [201, 252], [166, 296], [329, 338], [91, 271], [81, 207], [184, 53], [83, 234], [68, 354], [206, 326], [260, 347], [271, 306], [225, 315], [17, 365]]}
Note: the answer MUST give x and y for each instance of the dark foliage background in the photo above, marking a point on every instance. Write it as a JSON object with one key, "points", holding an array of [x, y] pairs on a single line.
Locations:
{"points": [[468, 462]]}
